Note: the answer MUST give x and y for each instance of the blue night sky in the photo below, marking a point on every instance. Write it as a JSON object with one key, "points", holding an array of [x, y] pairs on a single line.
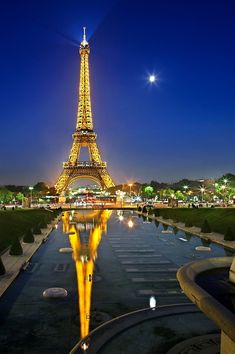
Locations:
{"points": [[181, 127]]}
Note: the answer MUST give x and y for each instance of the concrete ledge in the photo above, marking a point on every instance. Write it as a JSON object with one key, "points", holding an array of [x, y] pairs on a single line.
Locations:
{"points": [[105, 332], [186, 275]]}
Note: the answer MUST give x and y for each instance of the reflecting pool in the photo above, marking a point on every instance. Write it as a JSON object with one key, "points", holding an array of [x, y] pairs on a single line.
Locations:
{"points": [[118, 261]]}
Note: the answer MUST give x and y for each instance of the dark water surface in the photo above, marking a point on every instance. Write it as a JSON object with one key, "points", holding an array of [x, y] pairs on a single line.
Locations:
{"points": [[116, 265]]}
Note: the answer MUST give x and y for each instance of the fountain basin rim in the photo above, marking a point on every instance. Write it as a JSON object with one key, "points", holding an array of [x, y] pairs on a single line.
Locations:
{"points": [[218, 313]]}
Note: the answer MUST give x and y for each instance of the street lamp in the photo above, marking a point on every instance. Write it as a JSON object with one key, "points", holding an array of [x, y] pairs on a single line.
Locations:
{"points": [[31, 195], [202, 189], [130, 185], [223, 187]]}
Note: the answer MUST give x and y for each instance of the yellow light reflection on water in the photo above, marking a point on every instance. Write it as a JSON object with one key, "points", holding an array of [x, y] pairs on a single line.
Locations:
{"points": [[84, 255]]}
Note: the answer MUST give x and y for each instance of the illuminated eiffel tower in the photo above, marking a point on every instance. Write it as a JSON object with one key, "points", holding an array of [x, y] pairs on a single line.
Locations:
{"points": [[84, 136]]}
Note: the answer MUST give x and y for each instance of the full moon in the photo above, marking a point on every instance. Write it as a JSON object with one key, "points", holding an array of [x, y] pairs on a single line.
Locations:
{"points": [[152, 78]]}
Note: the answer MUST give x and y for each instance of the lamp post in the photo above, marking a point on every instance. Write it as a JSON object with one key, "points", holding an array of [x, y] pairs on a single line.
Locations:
{"points": [[31, 195], [130, 185], [223, 187], [202, 189]]}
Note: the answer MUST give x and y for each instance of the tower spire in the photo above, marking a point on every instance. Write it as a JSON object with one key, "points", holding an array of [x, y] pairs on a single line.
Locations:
{"points": [[84, 42]]}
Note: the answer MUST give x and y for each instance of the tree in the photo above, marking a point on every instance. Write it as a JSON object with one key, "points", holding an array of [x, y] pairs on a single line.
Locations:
{"points": [[188, 223], [37, 230], [2, 268], [149, 191], [28, 237], [205, 227], [19, 197], [179, 195], [205, 242], [165, 227], [144, 210], [5, 195], [167, 193], [156, 213], [52, 191], [229, 235], [156, 223], [43, 224], [16, 248], [41, 187]]}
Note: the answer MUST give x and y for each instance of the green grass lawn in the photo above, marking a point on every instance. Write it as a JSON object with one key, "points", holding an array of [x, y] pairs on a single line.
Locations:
{"points": [[15, 223], [219, 219]]}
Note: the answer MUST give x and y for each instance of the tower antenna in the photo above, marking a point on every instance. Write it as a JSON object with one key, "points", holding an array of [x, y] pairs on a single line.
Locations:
{"points": [[84, 42]]}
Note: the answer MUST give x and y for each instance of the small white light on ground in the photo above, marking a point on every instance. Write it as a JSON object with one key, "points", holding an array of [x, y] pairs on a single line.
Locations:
{"points": [[121, 217], [66, 250], [203, 248], [53, 293], [130, 224], [152, 302]]}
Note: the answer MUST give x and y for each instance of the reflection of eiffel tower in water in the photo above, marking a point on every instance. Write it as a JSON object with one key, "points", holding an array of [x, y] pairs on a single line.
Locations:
{"points": [[84, 254], [84, 136]]}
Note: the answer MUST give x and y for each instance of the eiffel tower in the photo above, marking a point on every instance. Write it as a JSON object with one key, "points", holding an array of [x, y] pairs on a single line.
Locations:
{"points": [[84, 136]]}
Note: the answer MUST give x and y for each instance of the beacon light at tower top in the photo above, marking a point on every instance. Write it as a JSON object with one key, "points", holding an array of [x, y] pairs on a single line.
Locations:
{"points": [[84, 41]]}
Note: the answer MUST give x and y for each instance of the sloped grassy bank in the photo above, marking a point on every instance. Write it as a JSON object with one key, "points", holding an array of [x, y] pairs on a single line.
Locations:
{"points": [[15, 223], [219, 219]]}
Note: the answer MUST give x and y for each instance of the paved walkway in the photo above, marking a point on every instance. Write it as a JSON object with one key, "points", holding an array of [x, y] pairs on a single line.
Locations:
{"points": [[13, 264]]}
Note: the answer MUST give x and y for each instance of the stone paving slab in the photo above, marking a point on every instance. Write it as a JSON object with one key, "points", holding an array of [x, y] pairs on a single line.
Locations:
{"points": [[164, 270], [159, 292], [145, 263], [139, 256], [135, 251], [153, 280]]}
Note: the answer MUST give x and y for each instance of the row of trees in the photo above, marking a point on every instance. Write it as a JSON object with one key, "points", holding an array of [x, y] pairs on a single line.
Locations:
{"points": [[28, 237], [221, 188], [13, 193], [207, 190]]}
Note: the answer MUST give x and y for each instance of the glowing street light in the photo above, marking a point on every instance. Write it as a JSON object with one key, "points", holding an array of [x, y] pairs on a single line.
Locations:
{"points": [[31, 195], [202, 189], [130, 224], [130, 185], [121, 217]]}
